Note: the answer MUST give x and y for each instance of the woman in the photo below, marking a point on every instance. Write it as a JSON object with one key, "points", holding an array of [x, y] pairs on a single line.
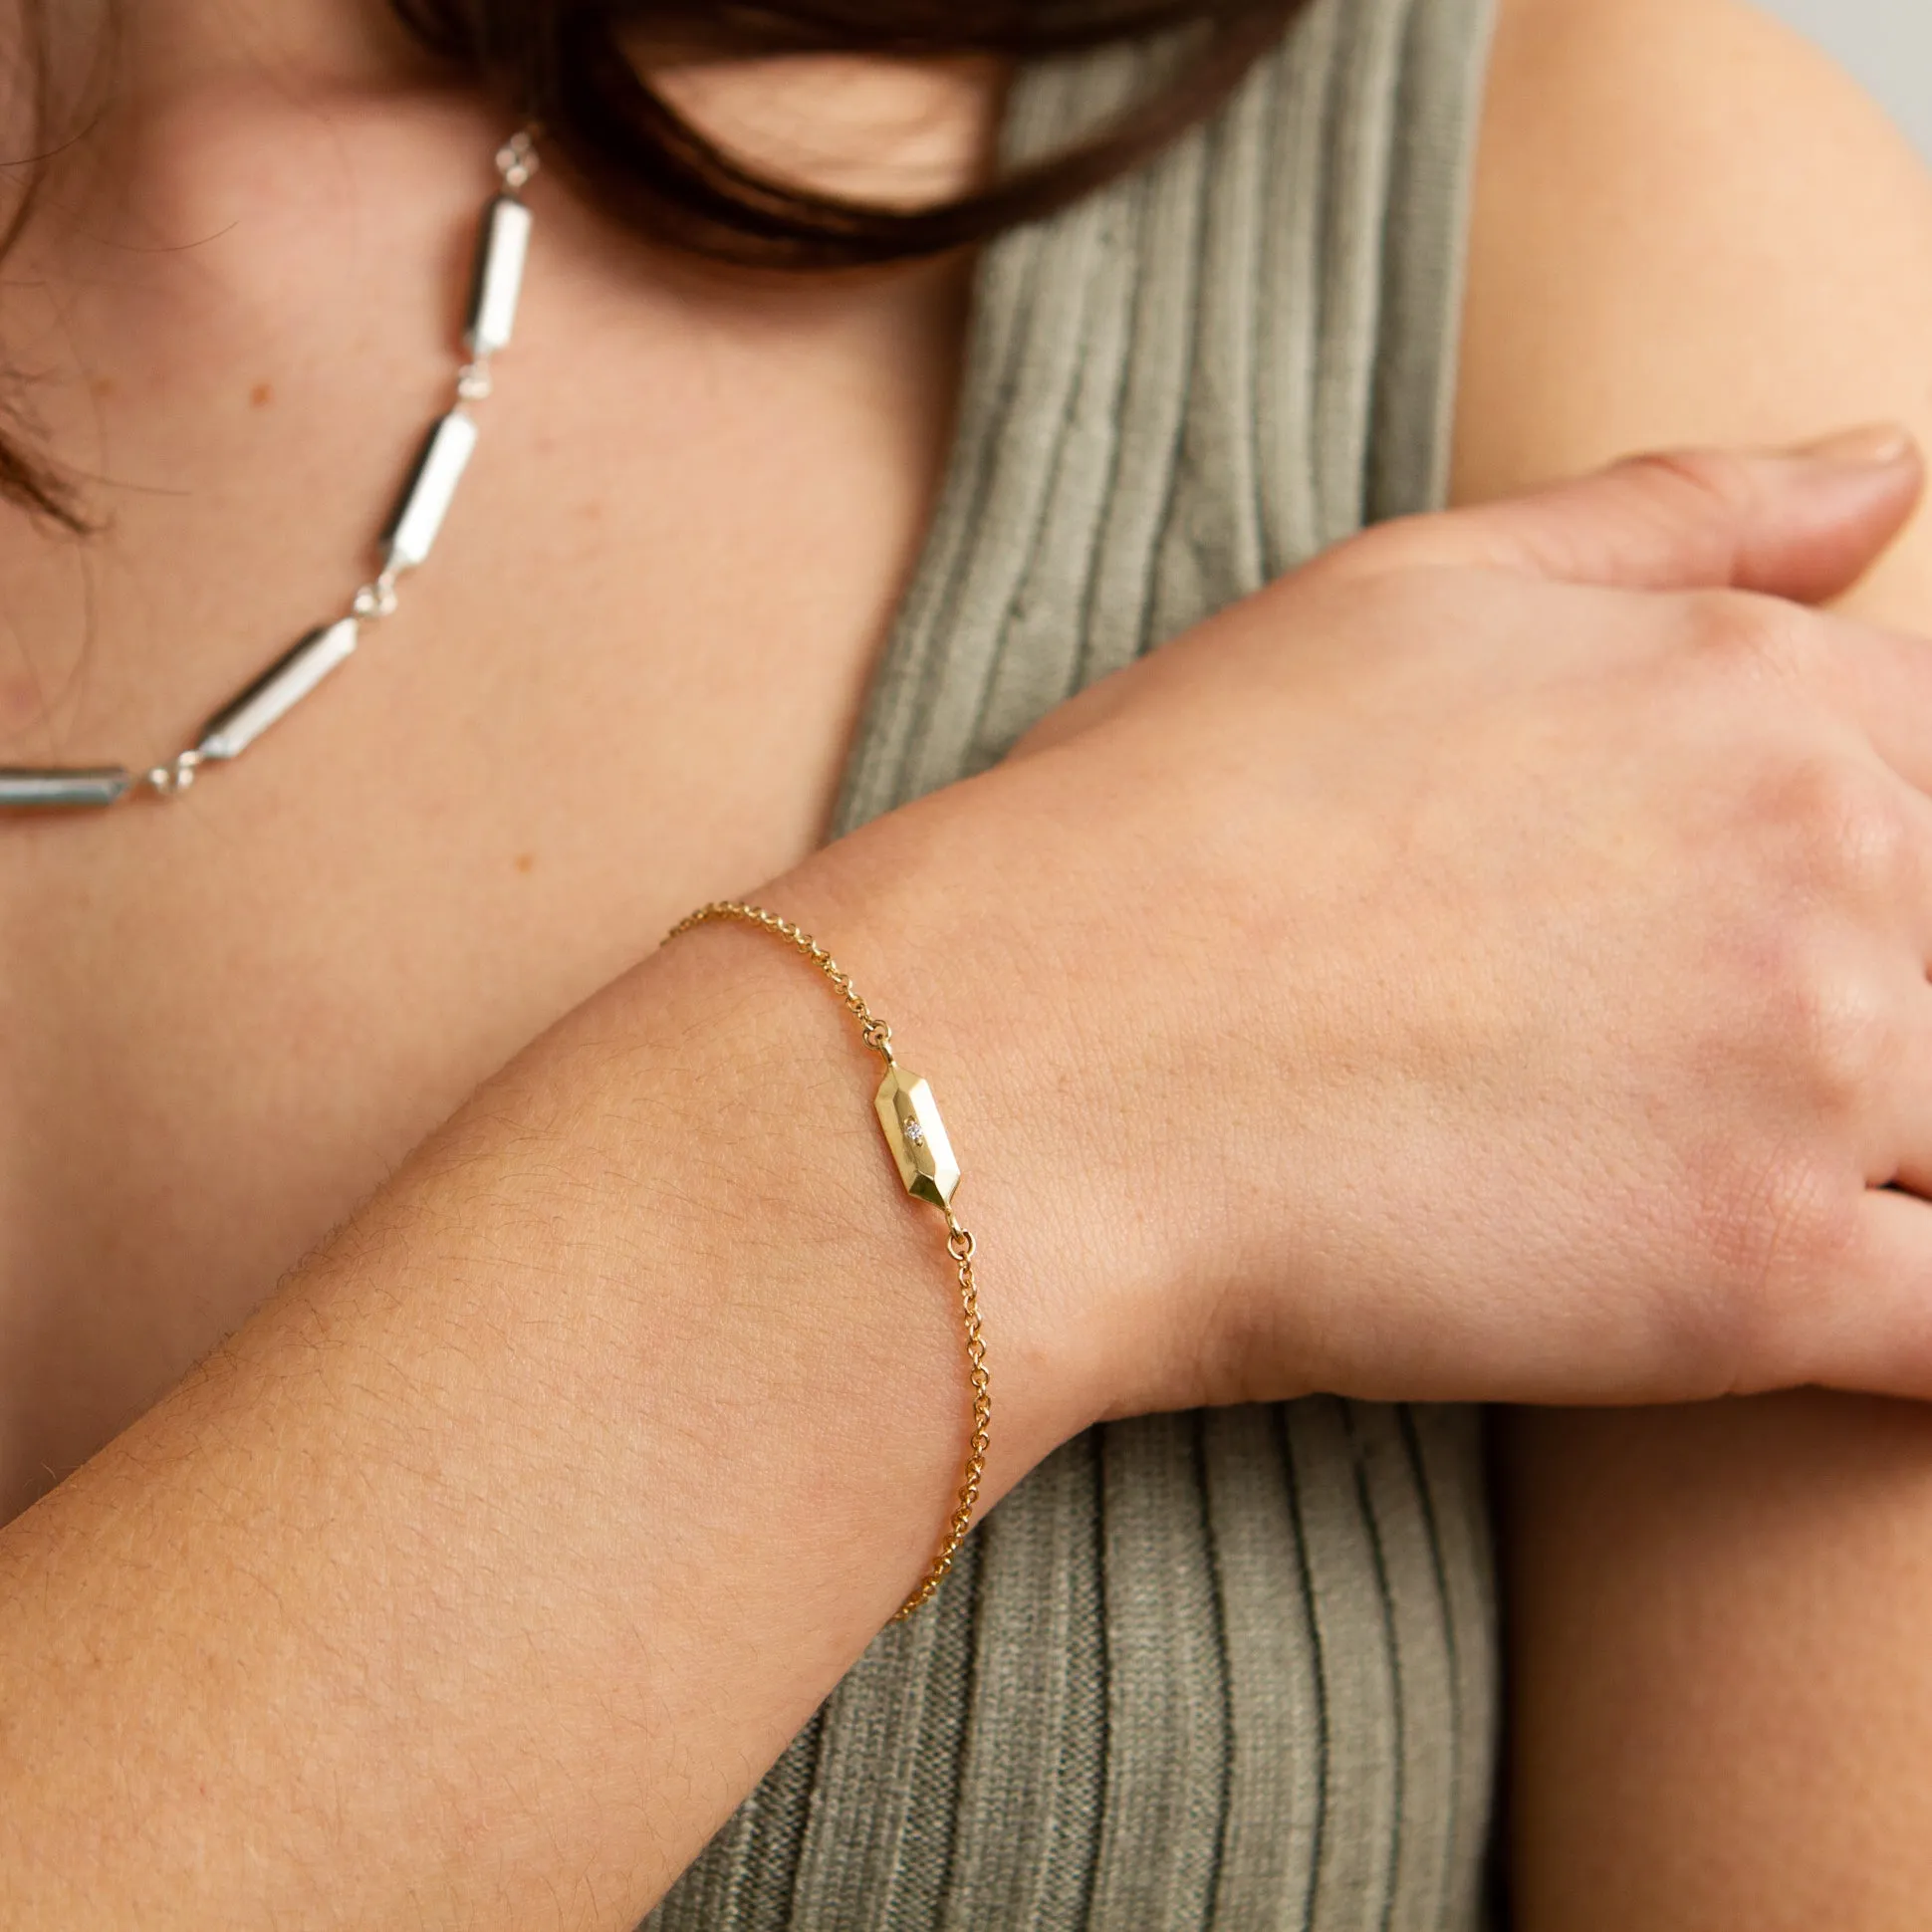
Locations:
{"points": [[1483, 966]]}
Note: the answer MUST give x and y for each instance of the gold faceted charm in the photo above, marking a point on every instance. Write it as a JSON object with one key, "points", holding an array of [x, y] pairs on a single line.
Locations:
{"points": [[924, 1157], [917, 1136]]}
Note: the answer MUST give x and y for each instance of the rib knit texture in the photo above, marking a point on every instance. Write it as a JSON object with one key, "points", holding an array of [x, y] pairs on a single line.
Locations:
{"points": [[1233, 1670]]}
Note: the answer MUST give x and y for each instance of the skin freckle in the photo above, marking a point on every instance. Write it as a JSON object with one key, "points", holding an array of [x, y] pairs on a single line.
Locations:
{"points": [[526, 861], [101, 387], [261, 395], [21, 703]]}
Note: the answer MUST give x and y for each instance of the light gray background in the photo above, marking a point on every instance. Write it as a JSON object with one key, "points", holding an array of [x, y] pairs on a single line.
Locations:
{"points": [[1887, 44]]}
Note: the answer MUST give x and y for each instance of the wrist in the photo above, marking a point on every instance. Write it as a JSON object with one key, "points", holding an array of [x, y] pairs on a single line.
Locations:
{"points": [[980, 1013], [781, 1055]]}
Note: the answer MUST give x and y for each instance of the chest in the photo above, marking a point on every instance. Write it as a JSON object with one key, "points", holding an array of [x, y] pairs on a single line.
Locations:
{"points": [[626, 681]]}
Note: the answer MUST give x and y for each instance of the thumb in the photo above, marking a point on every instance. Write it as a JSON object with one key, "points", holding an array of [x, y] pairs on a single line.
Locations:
{"points": [[1802, 523]]}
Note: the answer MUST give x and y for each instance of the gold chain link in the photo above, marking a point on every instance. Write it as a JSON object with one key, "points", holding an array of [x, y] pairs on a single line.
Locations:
{"points": [[959, 1243]]}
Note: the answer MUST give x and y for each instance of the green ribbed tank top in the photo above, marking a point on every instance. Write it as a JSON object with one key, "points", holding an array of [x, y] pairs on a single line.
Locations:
{"points": [[1233, 1670]]}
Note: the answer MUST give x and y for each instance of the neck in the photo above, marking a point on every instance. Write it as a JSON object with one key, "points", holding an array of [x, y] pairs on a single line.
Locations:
{"points": [[96, 80], [163, 46]]}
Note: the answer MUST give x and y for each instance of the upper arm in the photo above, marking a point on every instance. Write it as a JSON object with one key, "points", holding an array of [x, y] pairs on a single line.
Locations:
{"points": [[1690, 228]]}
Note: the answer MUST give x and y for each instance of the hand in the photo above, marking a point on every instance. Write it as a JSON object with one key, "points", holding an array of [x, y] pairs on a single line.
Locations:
{"points": [[1490, 964]]}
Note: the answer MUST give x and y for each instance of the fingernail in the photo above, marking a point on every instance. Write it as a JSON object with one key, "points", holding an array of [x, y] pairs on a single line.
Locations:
{"points": [[1876, 446]]}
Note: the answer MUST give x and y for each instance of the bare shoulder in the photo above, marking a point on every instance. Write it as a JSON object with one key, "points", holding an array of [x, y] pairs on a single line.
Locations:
{"points": [[1689, 225]]}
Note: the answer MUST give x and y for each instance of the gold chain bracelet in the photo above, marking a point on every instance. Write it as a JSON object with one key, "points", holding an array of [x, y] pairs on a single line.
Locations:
{"points": [[910, 1119]]}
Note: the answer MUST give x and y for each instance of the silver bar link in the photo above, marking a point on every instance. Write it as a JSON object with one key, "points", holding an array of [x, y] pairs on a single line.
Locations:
{"points": [[502, 251], [502, 248], [276, 692], [431, 488], [63, 791]]}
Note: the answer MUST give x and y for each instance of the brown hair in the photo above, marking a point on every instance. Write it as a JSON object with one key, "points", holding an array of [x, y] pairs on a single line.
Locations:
{"points": [[563, 63]]}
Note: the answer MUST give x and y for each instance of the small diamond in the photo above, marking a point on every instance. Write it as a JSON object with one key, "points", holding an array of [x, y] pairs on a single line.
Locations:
{"points": [[916, 1136]]}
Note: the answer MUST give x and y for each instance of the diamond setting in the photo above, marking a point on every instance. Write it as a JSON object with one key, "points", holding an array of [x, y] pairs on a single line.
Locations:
{"points": [[909, 1118]]}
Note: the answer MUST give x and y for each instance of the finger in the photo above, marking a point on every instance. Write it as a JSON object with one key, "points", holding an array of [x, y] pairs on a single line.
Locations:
{"points": [[1898, 1125], [1869, 1328], [1878, 679], [1803, 524]]}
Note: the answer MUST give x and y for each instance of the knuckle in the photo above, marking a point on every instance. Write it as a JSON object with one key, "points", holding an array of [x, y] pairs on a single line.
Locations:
{"points": [[1693, 481], [1839, 1026], [1849, 830], [1740, 633], [1702, 500]]}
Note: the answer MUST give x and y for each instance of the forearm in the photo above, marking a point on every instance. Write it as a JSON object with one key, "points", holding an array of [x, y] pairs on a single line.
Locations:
{"points": [[479, 1576]]}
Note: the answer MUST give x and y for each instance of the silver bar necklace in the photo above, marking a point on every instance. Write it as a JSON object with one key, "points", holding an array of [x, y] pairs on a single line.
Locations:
{"points": [[502, 250]]}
